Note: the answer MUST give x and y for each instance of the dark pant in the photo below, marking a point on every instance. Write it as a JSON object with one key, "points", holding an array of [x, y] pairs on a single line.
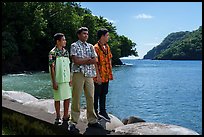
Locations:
{"points": [[100, 94]]}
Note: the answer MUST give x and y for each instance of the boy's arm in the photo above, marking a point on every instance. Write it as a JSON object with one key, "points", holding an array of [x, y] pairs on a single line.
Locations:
{"points": [[71, 74], [54, 83], [70, 82], [80, 61], [98, 76]]}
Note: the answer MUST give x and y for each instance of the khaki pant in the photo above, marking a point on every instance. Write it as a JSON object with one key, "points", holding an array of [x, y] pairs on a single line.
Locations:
{"points": [[80, 83]]}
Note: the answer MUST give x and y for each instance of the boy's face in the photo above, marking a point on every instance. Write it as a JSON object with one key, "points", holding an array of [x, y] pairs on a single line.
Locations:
{"points": [[106, 37], [62, 42], [83, 36]]}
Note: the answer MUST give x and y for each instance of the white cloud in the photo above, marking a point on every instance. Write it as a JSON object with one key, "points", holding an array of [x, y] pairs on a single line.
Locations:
{"points": [[143, 16], [109, 20], [94, 14]]}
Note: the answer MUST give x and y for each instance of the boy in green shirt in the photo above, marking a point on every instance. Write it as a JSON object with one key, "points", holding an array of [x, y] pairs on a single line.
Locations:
{"points": [[59, 68]]}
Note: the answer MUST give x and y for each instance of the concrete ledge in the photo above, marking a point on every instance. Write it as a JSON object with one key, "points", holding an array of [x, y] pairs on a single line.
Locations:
{"points": [[28, 121], [12, 109]]}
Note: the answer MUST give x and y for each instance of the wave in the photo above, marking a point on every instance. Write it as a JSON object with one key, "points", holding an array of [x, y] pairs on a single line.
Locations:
{"points": [[128, 64], [14, 75]]}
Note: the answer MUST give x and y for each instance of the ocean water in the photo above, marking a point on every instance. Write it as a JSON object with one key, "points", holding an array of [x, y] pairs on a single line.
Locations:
{"points": [[163, 91]]}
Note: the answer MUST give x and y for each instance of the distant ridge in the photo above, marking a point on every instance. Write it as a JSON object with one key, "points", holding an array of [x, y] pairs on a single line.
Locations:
{"points": [[179, 46]]}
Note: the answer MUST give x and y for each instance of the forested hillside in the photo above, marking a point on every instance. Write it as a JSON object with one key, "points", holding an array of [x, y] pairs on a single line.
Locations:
{"points": [[179, 46], [28, 29]]}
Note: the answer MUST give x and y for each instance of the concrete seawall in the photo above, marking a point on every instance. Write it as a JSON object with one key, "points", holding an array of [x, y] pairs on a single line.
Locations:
{"points": [[15, 110]]}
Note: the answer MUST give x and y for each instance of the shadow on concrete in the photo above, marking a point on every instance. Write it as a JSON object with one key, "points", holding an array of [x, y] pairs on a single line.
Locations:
{"points": [[95, 131], [32, 114], [65, 125]]}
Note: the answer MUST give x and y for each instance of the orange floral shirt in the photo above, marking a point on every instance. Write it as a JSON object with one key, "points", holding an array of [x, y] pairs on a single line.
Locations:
{"points": [[104, 62]]}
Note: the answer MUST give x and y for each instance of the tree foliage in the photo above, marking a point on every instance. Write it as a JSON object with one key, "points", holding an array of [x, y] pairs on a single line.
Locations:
{"points": [[28, 29], [171, 38]]}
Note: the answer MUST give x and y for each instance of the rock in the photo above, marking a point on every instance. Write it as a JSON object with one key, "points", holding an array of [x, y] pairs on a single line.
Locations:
{"points": [[125, 121], [134, 119], [114, 123], [108, 125], [118, 62], [18, 96], [148, 128]]}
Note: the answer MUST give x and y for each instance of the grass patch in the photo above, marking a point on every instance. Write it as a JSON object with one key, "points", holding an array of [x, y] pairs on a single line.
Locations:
{"points": [[18, 124], [7, 131]]}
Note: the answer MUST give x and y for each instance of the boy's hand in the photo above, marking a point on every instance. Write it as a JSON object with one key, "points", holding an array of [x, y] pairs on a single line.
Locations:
{"points": [[70, 83], [55, 85], [99, 79]]}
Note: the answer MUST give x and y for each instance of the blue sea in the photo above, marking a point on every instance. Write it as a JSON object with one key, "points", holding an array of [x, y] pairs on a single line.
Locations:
{"points": [[164, 91]]}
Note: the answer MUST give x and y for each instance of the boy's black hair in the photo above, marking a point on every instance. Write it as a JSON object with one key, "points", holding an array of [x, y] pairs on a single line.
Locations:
{"points": [[82, 29], [58, 36], [101, 32]]}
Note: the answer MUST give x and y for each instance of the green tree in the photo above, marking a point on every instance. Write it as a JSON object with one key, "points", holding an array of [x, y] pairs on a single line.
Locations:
{"points": [[28, 29]]}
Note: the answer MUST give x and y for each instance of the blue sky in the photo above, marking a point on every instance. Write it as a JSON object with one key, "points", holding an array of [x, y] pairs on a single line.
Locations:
{"points": [[148, 23]]}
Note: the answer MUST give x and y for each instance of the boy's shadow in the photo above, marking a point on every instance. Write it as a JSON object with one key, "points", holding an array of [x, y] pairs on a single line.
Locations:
{"points": [[97, 131], [73, 132]]}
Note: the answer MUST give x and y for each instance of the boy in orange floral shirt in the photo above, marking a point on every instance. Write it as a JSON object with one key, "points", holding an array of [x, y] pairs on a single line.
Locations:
{"points": [[103, 72]]}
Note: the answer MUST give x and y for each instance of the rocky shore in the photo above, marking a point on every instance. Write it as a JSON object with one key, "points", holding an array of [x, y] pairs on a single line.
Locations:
{"points": [[131, 125]]}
